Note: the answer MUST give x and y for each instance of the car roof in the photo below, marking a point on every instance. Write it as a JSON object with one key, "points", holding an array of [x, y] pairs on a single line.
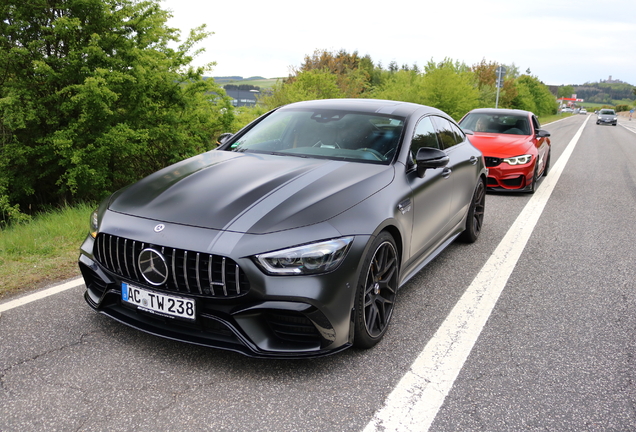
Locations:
{"points": [[500, 111], [371, 106]]}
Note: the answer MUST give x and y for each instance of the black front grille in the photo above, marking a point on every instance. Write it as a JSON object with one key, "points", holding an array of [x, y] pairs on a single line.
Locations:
{"points": [[189, 271], [492, 161]]}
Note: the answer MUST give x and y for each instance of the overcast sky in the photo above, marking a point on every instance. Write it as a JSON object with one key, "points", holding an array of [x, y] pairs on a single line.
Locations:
{"points": [[560, 41]]}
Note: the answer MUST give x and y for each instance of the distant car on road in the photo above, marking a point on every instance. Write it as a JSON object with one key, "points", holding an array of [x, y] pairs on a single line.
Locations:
{"points": [[583, 111], [607, 116], [516, 149]]}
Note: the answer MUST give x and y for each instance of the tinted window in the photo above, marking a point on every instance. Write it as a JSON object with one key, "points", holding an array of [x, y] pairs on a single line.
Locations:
{"points": [[447, 132], [513, 124], [326, 134], [424, 136], [535, 123]]}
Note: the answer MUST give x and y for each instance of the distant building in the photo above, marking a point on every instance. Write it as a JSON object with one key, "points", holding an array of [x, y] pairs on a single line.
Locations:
{"points": [[612, 81], [242, 97]]}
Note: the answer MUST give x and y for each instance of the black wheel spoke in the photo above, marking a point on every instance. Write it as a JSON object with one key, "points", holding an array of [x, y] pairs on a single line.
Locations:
{"points": [[380, 289]]}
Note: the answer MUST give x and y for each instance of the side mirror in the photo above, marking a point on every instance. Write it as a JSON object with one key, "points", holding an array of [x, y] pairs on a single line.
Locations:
{"points": [[428, 157], [542, 133], [222, 139], [468, 131]]}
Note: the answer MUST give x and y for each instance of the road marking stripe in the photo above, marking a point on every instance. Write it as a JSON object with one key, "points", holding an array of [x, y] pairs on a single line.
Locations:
{"points": [[414, 403], [40, 294]]}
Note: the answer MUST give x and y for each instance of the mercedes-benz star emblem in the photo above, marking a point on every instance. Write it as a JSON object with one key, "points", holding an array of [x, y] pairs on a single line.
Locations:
{"points": [[159, 227], [153, 266]]}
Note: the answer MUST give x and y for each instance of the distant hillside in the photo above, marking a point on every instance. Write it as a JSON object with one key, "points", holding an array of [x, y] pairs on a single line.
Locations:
{"points": [[227, 79], [604, 92], [257, 81]]}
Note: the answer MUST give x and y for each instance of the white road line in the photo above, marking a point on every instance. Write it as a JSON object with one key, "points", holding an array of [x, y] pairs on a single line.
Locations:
{"points": [[40, 294], [414, 403]]}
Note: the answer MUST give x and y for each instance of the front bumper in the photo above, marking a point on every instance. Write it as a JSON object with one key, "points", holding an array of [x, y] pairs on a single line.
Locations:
{"points": [[504, 177], [278, 316], [606, 121]]}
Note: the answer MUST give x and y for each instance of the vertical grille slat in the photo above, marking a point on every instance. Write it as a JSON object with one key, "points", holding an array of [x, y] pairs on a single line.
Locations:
{"points": [[174, 269], [117, 255], [126, 257], [198, 275], [223, 276], [210, 277], [134, 261], [185, 270], [110, 252], [237, 279], [190, 271]]}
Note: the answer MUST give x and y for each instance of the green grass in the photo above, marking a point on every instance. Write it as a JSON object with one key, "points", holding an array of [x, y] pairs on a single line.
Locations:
{"points": [[549, 119], [42, 251]]}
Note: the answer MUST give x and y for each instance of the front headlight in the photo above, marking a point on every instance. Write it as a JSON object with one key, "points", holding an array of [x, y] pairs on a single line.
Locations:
{"points": [[94, 228], [307, 259], [518, 160]]}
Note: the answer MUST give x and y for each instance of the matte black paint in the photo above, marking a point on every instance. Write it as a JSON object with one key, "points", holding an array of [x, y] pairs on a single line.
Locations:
{"points": [[241, 204]]}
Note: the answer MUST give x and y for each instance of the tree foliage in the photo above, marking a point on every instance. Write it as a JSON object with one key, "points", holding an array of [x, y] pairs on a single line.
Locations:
{"points": [[534, 96], [93, 97], [307, 85], [606, 93], [450, 87]]}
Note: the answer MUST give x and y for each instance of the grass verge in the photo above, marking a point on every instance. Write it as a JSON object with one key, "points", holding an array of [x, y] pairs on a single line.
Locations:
{"points": [[42, 251]]}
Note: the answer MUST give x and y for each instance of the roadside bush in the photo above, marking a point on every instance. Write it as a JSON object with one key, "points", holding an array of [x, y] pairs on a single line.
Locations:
{"points": [[94, 97]]}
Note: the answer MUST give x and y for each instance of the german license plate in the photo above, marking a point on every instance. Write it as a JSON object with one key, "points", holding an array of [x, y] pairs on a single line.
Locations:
{"points": [[157, 303]]}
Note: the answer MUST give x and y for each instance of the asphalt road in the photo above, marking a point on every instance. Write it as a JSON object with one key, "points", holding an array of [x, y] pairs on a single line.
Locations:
{"points": [[556, 354]]}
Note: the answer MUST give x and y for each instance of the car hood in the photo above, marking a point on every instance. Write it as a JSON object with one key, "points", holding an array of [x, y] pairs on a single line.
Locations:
{"points": [[501, 145], [251, 193]]}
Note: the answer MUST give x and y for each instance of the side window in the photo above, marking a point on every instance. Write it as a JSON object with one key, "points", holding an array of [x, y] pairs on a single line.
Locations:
{"points": [[448, 133], [460, 136], [425, 135], [535, 123]]}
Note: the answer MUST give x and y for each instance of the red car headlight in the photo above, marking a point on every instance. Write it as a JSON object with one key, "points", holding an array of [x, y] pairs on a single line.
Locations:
{"points": [[518, 160]]}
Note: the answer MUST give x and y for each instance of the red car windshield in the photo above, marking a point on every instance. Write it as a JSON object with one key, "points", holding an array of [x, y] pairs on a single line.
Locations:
{"points": [[496, 123]]}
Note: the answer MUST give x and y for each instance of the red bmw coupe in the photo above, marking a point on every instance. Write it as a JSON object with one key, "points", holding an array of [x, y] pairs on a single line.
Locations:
{"points": [[516, 149]]}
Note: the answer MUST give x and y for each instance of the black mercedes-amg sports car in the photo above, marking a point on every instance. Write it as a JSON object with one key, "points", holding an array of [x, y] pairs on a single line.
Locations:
{"points": [[292, 238]]}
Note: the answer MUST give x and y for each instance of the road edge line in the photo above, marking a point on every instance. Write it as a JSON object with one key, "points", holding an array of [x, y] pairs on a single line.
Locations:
{"points": [[12, 304], [415, 401]]}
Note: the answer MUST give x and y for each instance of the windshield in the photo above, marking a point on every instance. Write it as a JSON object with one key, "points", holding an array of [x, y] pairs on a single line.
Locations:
{"points": [[496, 123], [607, 111], [332, 134]]}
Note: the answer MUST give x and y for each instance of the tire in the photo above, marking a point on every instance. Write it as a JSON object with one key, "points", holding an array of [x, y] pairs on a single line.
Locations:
{"points": [[475, 218], [547, 164], [377, 289], [535, 179]]}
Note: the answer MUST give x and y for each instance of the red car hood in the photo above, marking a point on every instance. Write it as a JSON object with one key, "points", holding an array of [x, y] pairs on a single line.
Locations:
{"points": [[501, 145]]}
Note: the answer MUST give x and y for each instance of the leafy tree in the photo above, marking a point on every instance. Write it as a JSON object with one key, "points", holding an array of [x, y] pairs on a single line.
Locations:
{"points": [[352, 72], [93, 97], [446, 85], [307, 85], [565, 91], [534, 96], [485, 77], [450, 87], [401, 85]]}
